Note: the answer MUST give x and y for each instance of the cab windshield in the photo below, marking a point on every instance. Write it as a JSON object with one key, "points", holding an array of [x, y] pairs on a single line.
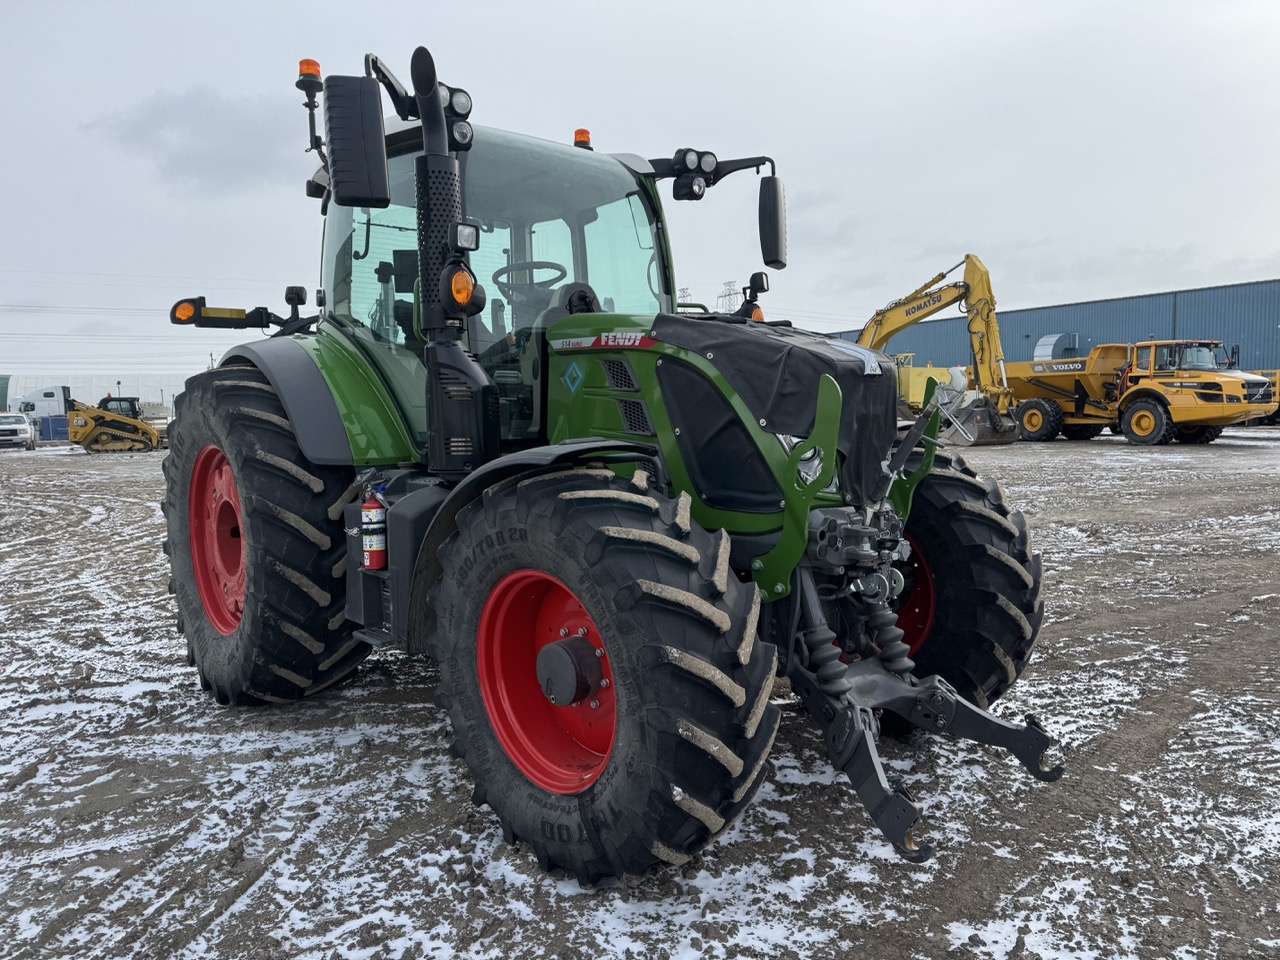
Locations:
{"points": [[549, 215], [1203, 356]]}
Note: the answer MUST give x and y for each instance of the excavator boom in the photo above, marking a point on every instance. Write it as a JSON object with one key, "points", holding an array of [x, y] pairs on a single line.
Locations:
{"points": [[978, 416]]}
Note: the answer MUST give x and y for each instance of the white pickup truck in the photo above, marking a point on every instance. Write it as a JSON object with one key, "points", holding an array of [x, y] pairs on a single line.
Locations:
{"points": [[17, 431]]}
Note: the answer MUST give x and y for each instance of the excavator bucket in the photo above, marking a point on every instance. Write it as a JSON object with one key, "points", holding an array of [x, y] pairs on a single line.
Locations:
{"points": [[973, 421]]}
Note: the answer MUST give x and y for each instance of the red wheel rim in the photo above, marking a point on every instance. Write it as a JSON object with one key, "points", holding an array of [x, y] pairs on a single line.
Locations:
{"points": [[217, 547], [917, 607], [561, 749]]}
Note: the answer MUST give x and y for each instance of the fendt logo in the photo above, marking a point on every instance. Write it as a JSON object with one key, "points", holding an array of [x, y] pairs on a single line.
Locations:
{"points": [[614, 338], [933, 301], [621, 338]]}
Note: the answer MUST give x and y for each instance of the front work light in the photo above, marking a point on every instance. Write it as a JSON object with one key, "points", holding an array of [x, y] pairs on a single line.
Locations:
{"points": [[689, 187], [462, 133], [464, 236]]}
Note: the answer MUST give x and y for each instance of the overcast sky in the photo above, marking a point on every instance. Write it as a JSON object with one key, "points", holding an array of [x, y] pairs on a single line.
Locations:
{"points": [[1091, 149]]}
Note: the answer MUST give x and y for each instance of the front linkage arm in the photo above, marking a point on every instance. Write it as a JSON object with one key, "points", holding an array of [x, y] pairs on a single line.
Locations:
{"points": [[844, 699]]}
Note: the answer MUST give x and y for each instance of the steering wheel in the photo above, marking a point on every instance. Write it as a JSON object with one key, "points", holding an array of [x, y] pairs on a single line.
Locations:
{"points": [[522, 292]]}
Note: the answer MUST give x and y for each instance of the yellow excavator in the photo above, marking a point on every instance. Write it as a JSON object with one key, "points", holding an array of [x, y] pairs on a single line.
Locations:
{"points": [[977, 402], [107, 428]]}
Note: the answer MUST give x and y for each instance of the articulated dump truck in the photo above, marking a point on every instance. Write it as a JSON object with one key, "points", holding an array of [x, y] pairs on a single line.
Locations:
{"points": [[1153, 392]]}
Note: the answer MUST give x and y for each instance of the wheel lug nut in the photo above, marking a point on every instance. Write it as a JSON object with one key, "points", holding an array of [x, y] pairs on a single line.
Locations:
{"points": [[595, 704], [599, 651], [564, 631], [604, 682], [582, 631]]}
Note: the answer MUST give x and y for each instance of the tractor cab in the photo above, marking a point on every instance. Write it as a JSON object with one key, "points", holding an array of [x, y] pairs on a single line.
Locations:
{"points": [[561, 231]]}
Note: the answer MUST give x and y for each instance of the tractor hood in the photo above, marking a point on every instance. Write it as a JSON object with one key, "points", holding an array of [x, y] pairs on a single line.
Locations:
{"points": [[776, 370]]}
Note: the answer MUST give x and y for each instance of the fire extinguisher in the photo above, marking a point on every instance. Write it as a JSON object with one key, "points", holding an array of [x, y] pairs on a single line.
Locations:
{"points": [[373, 531]]}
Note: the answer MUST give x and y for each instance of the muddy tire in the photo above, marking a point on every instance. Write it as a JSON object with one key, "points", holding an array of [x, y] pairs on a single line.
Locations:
{"points": [[1197, 434], [650, 767], [1039, 419], [971, 609], [1081, 431], [1147, 423], [255, 544]]}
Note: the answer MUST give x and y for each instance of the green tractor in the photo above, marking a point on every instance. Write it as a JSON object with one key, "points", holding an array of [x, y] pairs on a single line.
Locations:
{"points": [[612, 520]]}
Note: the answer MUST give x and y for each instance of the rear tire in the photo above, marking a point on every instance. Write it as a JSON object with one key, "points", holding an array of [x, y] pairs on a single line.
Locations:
{"points": [[1146, 423], [677, 742], [1039, 419], [971, 609], [1197, 434], [256, 545]]}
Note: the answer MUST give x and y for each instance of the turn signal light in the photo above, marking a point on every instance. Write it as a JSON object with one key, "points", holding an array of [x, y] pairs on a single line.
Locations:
{"points": [[757, 315], [184, 312], [462, 287]]}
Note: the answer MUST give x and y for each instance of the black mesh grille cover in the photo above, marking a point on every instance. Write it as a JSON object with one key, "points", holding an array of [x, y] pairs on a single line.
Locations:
{"points": [[725, 465], [619, 373], [776, 372], [636, 417]]}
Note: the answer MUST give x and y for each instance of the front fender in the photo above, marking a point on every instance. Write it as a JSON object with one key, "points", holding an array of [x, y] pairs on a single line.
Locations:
{"points": [[419, 617], [340, 409]]}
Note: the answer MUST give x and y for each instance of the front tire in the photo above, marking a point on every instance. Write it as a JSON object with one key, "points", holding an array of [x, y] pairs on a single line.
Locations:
{"points": [[1146, 423], [653, 765], [971, 609], [256, 545]]}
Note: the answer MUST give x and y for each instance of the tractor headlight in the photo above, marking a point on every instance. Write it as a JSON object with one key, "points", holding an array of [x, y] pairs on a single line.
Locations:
{"points": [[810, 462]]}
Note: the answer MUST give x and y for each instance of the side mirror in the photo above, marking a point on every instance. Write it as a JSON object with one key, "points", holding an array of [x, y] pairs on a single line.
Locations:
{"points": [[773, 223], [354, 134]]}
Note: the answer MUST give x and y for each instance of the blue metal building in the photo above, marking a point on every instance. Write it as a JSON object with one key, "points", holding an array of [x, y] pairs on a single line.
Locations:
{"points": [[1247, 314]]}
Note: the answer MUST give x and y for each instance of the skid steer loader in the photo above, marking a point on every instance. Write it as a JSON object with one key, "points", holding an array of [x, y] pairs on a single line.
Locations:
{"points": [[612, 525]]}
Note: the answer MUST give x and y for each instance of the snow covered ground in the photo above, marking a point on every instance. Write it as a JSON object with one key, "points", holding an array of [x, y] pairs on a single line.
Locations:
{"points": [[140, 819]]}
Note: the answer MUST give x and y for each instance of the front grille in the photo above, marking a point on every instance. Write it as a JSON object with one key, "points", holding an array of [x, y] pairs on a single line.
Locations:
{"points": [[1259, 393]]}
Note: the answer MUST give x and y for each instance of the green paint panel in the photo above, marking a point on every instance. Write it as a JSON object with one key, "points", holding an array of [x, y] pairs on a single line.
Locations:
{"points": [[375, 426]]}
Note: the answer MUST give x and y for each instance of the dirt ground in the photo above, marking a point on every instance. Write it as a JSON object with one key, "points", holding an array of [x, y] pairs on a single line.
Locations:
{"points": [[140, 819]]}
